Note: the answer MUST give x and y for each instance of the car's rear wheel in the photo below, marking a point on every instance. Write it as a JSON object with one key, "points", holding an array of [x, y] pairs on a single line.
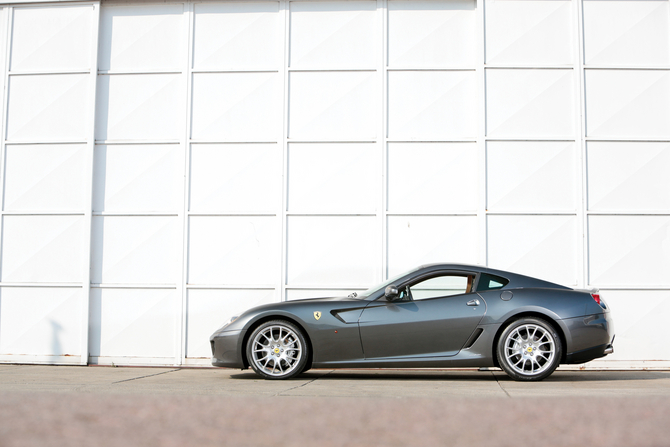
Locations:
{"points": [[529, 349], [277, 350]]}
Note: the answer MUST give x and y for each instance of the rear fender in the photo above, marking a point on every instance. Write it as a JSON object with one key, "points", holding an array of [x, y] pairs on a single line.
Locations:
{"points": [[554, 303], [561, 325]]}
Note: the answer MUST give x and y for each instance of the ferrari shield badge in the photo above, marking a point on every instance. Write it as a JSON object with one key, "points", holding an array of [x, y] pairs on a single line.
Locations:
{"points": [[317, 315]]}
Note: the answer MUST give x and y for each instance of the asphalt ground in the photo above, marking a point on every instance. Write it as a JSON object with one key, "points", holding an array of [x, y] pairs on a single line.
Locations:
{"points": [[106, 406]]}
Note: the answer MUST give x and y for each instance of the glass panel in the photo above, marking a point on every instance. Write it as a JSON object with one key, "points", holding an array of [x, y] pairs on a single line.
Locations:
{"points": [[490, 282], [441, 286]]}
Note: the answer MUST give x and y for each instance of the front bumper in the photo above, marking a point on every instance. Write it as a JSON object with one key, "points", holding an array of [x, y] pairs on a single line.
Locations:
{"points": [[227, 349]]}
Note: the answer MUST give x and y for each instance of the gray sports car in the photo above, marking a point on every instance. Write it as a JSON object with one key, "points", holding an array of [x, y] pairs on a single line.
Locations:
{"points": [[438, 315]]}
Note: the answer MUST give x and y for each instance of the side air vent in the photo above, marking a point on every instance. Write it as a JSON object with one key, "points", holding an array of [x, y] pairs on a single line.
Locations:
{"points": [[473, 338]]}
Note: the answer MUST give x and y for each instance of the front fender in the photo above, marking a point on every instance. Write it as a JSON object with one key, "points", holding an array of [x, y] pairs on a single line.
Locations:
{"points": [[331, 336], [272, 314]]}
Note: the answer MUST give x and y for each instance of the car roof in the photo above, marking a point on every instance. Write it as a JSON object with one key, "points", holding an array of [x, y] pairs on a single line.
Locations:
{"points": [[516, 280]]}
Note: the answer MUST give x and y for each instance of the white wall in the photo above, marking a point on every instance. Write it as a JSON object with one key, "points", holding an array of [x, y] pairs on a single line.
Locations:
{"points": [[48, 57], [228, 154]]}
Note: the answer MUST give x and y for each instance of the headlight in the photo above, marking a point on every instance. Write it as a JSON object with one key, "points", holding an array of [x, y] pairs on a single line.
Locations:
{"points": [[231, 320], [227, 323]]}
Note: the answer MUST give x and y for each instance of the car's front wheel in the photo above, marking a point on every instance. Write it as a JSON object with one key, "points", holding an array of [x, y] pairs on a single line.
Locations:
{"points": [[277, 350], [529, 349]]}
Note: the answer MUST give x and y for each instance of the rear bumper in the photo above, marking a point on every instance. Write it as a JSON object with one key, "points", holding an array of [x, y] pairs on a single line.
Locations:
{"points": [[592, 338], [589, 354], [227, 349]]}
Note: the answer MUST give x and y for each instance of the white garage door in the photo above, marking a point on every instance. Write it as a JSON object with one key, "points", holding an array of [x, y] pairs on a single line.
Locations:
{"points": [[49, 53], [255, 151]]}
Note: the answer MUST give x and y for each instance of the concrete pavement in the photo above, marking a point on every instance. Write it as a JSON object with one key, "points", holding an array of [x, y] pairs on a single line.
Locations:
{"points": [[329, 383], [71, 406]]}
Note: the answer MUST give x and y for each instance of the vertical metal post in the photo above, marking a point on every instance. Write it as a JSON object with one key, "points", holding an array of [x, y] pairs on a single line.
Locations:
{"points": [[284, 6], [88, 211], [181, 308], [580, 104], [7, 13], [382, 75], [480, 69]]}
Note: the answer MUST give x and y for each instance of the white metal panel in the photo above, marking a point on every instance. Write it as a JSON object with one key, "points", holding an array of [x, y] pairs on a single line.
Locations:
{"points": [[417, 240], [235, 178], [139, 107], [209, 309], [48, 107], [333, 105], [141, 37], [529, 32], [628, 103], [531, 176], [40, 321], [432, 104], [333, 34], [626, 176], [629, 250], [44, 177], [626, 32], [134, 250], [51, 38], [429, 33], [239, 250], [42, 248], [137, 178], [48, 99], [540, 246], [640, 324], [531, 103], [132, 322], [235, 107], [432, 177], [236, 35], [332, 250], [333, 177]]}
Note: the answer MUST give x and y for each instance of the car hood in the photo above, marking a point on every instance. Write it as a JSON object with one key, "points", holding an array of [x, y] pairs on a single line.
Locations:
{"points": [[294, 308]]}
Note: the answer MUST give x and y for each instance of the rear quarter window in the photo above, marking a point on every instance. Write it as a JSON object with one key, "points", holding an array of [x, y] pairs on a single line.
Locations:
{"points": [[490, 282]]}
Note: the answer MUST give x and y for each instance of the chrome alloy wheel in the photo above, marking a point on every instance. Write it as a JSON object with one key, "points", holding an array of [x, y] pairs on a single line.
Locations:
{"points": [[276, 350], [530, 349]]}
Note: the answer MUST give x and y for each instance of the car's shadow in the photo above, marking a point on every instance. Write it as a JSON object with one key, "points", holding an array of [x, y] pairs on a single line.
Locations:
{"points": [[384, 375], [459, 375]]}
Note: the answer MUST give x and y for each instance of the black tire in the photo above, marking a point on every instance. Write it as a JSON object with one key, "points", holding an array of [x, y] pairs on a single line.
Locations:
{"points": [[529, 349], [277, 349]]}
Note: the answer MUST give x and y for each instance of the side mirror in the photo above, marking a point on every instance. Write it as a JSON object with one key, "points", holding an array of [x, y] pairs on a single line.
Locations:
{"points": [[391, 293]]}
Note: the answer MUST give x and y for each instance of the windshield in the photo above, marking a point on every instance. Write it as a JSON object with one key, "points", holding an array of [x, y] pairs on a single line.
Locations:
{"points": [[383, 285]]}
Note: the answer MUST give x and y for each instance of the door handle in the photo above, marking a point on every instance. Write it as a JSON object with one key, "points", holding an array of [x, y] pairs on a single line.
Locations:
{"points": [[473, 303]]}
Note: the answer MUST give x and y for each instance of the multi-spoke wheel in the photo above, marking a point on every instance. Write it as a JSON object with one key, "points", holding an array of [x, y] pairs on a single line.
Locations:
{"points": [[277, 350], [529, 349]]}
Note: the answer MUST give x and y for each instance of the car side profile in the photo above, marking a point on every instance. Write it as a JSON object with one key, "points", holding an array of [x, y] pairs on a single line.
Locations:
{"points": [[438, 315]]}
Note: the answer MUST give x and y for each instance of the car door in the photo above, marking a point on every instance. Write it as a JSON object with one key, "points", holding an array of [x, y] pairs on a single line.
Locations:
{"points": [[433, 317]]}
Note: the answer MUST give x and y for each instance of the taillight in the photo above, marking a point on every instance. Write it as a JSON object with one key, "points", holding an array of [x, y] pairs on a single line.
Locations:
{"points": [[600, 301], [596, 298]]}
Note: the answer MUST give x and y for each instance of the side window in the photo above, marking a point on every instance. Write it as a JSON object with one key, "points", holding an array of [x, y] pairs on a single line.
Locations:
{"points": [[441, 286], [490, 282]]}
